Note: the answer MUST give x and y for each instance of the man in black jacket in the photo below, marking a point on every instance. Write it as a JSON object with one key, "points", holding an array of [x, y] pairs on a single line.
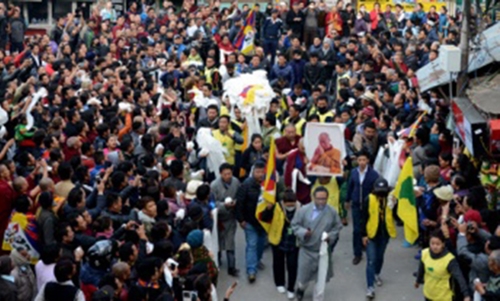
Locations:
{"points": [[247, 199], [295, 21], [314, 72]]}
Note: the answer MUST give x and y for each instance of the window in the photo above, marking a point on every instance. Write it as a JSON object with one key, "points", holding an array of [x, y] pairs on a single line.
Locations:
{"points": [[61, 9], [38, 12]]}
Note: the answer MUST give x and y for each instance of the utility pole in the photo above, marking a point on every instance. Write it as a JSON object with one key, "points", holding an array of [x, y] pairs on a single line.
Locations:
{"points": [[465, 36]]}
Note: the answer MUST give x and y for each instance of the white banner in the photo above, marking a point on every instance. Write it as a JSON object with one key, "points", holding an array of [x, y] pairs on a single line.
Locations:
{"points": [[433, 75]]}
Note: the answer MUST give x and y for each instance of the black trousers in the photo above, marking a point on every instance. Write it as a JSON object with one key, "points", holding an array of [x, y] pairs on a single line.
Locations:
{"points": [[290, 260]]}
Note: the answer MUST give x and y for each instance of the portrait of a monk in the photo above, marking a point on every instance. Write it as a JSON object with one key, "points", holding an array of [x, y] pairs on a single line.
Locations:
{"points": [[326, 158]]}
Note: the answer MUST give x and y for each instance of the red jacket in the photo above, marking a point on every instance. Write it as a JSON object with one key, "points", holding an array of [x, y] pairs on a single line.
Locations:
{"points": [[8, 195], [297, 160]]}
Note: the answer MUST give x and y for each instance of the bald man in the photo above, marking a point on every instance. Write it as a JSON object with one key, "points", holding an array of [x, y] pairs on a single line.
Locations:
{"points": [[326, 158]]}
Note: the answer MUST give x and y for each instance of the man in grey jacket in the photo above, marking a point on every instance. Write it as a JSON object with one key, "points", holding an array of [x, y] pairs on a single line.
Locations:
{"points": [[17, 30], [224, 190], [468, 236], [309, 224]]}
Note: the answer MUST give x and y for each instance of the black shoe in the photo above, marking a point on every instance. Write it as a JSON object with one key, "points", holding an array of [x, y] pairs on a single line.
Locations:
{"points": [[261, 266], [251, 278], [234, 272], [356, 260], [299, 294]]}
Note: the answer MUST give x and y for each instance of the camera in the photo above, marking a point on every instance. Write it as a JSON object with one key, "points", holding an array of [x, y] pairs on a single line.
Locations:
{"points": [[78, 13], [470, 227]]}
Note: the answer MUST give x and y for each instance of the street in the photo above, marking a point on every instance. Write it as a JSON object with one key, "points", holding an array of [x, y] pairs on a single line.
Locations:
{"points": [[349, 282]]}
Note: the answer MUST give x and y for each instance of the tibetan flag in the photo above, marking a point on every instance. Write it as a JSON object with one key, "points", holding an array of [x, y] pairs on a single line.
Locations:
{"points": [[22, 233], [407, 204], [249, 93], [412, 129], [245, 39], [275, 226]]}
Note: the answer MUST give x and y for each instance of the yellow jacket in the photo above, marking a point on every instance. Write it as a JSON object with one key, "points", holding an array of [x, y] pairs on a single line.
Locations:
{"points": [[374, 216], [227, 142]]}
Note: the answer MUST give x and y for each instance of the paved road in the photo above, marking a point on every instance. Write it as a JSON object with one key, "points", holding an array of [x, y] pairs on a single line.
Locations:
{"points": [[349, 283]]}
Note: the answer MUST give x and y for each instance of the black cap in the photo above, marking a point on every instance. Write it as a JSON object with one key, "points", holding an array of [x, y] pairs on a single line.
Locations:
{"points": [[274, 11], [381, 185]]}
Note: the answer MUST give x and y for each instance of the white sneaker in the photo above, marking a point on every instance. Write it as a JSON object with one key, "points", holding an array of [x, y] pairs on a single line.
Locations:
{"points": [[378, 280], [281, 289], [370, 293], [290, 295]]}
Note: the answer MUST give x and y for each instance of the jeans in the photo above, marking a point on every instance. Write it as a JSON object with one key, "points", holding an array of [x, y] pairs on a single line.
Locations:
{"points": [[375, 257], [292, 261], [256, 241], [270, 48], [357, 240]]}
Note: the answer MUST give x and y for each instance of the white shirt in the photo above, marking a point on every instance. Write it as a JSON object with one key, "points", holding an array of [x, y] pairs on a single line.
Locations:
{"points": [[362, 175], [41, 293], [44, 274]]}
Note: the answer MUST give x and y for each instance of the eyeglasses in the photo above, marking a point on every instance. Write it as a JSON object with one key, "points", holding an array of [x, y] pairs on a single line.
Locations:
{"points": [[320, 199]]}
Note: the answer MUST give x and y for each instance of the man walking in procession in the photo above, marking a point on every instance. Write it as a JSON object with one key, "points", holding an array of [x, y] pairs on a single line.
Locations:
{"points": [[309, 224], [377, 227]]}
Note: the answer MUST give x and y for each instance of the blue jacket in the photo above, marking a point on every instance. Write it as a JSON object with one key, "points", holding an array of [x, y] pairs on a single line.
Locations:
{"points": [[272, 30], [89, 275], [356, 191], [285, 72], [177, 47], [298, 70]]}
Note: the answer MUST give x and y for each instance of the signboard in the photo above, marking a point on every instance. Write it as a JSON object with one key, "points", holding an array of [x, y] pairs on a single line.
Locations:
{"points": [[470, 126], [433, 75], [407, 5]]}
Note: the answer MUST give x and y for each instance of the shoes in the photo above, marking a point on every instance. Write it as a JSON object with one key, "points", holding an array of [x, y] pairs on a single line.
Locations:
{"points": [[378, 280], [251, 278], [370, 293], [290, 295], [344, 221], [356, 260], [261, 266], [281, 289], [300, 295], [234, 272]]}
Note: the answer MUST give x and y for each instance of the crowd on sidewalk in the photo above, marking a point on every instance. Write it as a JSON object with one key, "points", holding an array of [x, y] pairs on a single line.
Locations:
{"points": [[108, 190]]}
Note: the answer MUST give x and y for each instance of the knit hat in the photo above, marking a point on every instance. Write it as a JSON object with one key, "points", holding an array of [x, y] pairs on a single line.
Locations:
{"points": [[195, 212], [195, 239]]}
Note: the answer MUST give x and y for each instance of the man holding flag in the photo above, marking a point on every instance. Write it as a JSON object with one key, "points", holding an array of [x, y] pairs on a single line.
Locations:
{"points": [[244, 41], [247, 199]]}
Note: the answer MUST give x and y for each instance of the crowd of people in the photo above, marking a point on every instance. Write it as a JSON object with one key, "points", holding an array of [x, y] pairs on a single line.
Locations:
{"points": [[106, 192]]}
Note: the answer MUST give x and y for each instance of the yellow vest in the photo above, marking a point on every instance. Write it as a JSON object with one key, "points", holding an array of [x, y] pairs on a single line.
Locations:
{"points": [[298, 126], [227, 142], [333, 192], [373, 218], [323, 117], [312, 111], [238, 127], [208, 75], [436, 277]]}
